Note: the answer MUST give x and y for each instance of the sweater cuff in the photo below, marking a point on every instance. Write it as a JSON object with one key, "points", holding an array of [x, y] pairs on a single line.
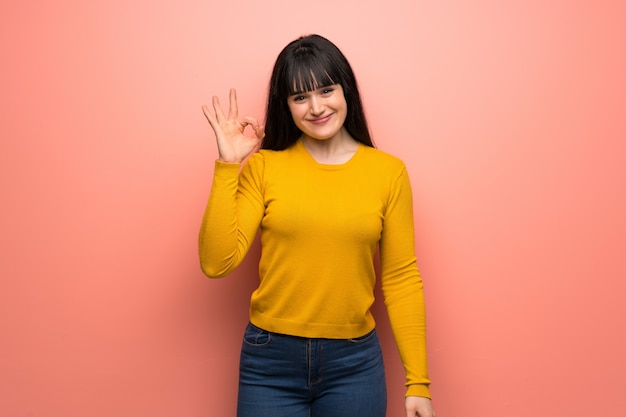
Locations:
{"points": [[226, 169], [418, 390]]}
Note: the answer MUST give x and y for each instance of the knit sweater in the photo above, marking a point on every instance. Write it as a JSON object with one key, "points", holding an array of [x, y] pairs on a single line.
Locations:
{"points": [[321, 228]]}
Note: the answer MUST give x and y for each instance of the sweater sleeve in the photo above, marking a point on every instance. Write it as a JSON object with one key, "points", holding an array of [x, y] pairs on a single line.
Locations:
{"points": [[402, 286], [232, 216]]}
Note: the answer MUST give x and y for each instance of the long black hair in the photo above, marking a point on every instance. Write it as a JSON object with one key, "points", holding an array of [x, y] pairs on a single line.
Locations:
{"points": [[305, 64]]}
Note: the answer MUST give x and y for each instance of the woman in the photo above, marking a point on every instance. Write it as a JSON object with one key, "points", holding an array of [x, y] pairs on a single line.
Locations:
{"points": [[325, 201]]}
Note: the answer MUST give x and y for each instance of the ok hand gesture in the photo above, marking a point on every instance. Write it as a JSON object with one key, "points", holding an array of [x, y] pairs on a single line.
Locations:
{"points": [[232, 145]]}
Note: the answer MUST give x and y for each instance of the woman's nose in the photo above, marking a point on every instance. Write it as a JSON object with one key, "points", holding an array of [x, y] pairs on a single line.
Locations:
{"points": [[316, 105]]}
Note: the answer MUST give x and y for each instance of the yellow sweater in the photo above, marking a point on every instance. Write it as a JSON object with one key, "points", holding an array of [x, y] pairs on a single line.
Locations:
{"points": [[321, 226]]}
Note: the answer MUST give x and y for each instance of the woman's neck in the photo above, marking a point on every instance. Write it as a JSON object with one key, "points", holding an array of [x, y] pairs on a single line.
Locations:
{"points": [[336, 150]]}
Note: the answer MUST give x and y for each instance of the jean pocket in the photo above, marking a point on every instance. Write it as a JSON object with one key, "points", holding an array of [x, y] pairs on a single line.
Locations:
{"points": [[254, 336]]}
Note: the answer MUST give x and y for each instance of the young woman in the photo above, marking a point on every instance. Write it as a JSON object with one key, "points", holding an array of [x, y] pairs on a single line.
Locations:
{"points": [[325, 202]]}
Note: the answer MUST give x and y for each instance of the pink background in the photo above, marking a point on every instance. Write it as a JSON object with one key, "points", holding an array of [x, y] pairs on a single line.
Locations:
{"points": [[509, 115]]}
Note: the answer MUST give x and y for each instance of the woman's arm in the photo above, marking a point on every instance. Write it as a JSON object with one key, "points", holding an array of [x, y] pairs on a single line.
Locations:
{"points": [[402, 286], [235, 205]]}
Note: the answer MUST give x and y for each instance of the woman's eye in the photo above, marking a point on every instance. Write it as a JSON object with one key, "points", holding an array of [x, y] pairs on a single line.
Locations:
{"points": [[298, 98], [327, 91]]}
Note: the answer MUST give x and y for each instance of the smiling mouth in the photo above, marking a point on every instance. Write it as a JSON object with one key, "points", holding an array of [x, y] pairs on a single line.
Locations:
{"points": [[321, 120]]}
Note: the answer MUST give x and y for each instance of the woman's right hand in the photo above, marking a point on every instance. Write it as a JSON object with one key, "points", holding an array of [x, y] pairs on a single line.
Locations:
{"points": [[232, 145]]}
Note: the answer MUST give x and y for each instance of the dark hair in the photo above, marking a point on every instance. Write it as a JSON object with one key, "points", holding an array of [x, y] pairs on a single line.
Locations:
{"points": [[305, 64]]}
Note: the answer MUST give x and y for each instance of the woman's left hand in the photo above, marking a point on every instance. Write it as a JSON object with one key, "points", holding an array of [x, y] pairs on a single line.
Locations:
{"points": [[419, 407]]}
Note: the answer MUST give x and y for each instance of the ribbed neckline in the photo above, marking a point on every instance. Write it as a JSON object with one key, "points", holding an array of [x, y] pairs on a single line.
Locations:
{"points": [[328, 167]]}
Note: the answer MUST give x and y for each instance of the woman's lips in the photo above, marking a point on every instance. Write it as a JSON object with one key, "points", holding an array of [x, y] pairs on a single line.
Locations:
{"points": [[321, 120]]}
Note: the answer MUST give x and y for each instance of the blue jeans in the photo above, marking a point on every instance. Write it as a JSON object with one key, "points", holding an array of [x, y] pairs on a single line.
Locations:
{"points": [[288, 376]]}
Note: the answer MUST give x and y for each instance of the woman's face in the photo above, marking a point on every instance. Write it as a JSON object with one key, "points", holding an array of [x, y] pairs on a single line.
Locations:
{"points": [[321, 113]]}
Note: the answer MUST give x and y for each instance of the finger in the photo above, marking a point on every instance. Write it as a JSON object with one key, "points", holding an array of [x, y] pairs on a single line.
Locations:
{"points": [[258, 129], [219, 114], [233, 111], [260, 132], [208, 115]]}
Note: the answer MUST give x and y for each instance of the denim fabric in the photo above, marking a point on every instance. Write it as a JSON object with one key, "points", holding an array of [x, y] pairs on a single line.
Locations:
{"points": [[288, 376]]}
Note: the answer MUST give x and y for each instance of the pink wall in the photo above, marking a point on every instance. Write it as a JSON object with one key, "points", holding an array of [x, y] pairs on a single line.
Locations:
{"points": [[510, 116]]}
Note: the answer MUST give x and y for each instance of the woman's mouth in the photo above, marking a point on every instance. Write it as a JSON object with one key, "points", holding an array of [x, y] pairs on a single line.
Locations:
{"points": [[321, 120]]}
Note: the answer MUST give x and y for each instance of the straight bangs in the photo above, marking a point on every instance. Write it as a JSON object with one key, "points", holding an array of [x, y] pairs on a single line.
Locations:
{"points": [[308, 73]]}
